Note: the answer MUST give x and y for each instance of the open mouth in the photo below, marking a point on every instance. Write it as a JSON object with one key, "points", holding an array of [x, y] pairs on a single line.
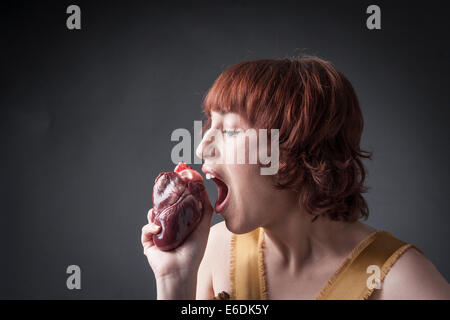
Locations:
{"points": [[222, 195], [222, 190]]}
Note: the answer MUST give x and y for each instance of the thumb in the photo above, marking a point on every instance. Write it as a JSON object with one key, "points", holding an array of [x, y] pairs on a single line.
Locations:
{"points": [[207, 213]]}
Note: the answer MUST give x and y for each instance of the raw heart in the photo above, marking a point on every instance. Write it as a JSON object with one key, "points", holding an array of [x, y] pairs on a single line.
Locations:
{"points": [[178, 200]]}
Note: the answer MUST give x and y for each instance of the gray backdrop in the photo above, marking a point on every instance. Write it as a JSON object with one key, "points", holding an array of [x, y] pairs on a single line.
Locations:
{"points": [[86, 118]]}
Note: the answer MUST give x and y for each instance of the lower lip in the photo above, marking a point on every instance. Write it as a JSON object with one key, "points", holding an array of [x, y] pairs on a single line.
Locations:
{"points": [[221, 207]]}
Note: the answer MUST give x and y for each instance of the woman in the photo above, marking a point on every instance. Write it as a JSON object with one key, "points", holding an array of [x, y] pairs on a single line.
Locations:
{"points": [[295, 234]]}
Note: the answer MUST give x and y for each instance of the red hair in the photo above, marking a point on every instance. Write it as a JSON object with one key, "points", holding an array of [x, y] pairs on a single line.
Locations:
{"points": [[320, 123]]}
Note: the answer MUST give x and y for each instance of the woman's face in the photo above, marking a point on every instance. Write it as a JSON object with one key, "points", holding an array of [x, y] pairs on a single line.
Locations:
{"points": [[249, 200]]}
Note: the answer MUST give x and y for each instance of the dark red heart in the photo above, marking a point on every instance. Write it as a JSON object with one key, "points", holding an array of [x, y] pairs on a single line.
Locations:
{"points": [[178, 202]]}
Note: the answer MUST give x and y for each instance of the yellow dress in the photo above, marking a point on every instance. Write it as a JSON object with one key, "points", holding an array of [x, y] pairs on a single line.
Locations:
{"points": [[247, 272]]}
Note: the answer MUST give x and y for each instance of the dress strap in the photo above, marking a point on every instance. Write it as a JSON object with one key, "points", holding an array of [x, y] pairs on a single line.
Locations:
{"points": [[247, 275], [380, 249]]}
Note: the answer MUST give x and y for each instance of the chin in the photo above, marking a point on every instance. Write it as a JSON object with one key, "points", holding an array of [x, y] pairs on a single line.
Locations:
{"points": [[237, 226]]}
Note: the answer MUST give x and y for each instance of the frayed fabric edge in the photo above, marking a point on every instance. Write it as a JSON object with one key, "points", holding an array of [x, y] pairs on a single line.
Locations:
{"points": [[389, 264], [233, 267], [261, 266], [350, 258]]}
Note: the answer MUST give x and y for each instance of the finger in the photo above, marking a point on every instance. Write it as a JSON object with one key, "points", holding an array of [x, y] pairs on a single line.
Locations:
{"points": [[205, 222], [206, 200], [149, 215], [147, 235], [151, 229], [204, 196], [208, 209], [146, 238], [147, 243]]}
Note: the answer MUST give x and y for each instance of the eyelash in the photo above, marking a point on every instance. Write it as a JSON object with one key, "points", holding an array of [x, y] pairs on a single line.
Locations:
{"points": [[234, 132]]}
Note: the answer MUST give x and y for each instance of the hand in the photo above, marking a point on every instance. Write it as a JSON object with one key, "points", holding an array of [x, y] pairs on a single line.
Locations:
{"points": [[182, 263]]}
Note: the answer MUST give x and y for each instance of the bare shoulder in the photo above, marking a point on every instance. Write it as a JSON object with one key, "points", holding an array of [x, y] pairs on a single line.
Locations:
{"points": [[413, 276], [214, 269]]}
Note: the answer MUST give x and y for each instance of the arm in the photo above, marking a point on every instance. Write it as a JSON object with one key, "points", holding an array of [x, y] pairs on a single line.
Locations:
{"points": [[176, 288], [213, 274], [205, 290], [413, 277]]}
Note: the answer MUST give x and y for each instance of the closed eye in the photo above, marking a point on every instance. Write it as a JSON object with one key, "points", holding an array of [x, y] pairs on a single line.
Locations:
{"points": [[231, 132]]}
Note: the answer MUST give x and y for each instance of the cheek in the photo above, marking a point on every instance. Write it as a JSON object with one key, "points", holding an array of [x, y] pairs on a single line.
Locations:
{"points": [[241, 150], [242, 185], [251, 150], [250, 188], [245, 175]]}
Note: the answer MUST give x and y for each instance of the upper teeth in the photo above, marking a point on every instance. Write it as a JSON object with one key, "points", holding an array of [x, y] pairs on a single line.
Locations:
{"points": [[209, 176]]}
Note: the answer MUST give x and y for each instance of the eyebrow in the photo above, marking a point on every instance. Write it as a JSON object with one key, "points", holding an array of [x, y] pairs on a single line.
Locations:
{"points": [[221, 112]]}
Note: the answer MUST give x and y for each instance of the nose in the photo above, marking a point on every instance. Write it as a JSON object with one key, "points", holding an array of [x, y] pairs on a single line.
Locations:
{"points": [[207, 147]]}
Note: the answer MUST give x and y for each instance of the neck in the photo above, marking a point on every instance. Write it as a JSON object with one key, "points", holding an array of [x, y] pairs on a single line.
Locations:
{"points": [[295, 240]]}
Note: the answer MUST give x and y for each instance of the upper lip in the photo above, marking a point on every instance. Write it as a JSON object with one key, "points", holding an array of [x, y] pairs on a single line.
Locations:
{"points": [[207, 169]]}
